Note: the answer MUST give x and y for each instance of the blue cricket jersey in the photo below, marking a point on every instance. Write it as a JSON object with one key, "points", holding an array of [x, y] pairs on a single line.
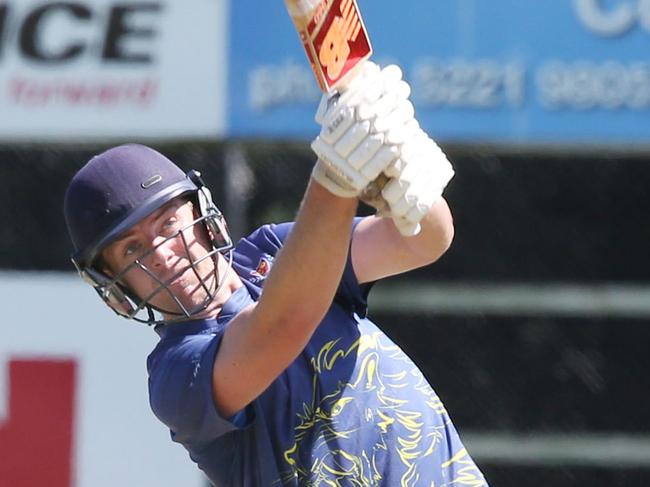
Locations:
{"points": [[351, 410]]}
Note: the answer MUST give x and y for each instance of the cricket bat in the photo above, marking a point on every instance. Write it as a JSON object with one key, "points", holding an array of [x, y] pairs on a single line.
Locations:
{"points": [[334, 38]]}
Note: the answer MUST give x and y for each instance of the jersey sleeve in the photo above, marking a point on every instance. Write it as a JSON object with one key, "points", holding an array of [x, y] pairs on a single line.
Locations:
{"points": [[351, 295], [180, 391]]}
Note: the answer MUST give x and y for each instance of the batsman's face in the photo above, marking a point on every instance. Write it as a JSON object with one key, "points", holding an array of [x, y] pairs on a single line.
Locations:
{"points": [[165, 248]]}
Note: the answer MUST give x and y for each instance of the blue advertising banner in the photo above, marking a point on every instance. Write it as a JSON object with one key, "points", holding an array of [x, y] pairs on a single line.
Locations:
{"points": [[499, 71]]}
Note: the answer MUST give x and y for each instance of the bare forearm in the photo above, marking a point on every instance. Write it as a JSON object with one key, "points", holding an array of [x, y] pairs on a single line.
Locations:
{"points": [[309, 267], [379, 250], [436, 235]]}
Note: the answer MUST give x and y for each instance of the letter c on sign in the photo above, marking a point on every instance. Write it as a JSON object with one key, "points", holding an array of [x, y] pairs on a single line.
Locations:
{"points": [[611, 22], [31, 30]]}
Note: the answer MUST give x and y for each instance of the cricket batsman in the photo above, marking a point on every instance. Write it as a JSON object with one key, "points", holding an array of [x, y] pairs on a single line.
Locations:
{"points": [[268, 370]]}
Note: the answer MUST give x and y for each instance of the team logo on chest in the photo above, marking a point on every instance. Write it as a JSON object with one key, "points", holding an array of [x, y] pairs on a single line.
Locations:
{"points": [[262, 269]]}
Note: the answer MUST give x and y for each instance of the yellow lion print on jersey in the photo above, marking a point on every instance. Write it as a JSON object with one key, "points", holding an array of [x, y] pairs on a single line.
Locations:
{"points": [[368, 405]]}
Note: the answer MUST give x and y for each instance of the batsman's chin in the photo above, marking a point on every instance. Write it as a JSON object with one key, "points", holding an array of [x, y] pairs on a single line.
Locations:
{"points": [[192, 295], [183, 295], [196, 307]]}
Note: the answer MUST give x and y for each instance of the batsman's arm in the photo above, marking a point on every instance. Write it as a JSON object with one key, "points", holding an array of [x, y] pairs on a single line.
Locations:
{"points": [[262, 340], [265, 338], [379, 250]]}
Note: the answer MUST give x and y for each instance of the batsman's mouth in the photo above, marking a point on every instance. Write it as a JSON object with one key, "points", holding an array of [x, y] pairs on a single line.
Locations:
{"points": [[189, 281], [182, 278]]}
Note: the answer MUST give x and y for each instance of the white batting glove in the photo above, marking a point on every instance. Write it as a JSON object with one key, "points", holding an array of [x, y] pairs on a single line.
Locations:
{"points": [[417, 180], [352, 146]]}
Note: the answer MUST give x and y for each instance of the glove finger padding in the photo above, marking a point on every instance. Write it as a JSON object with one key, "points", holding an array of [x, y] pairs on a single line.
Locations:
{"points": [[379, 161], [334, 182], [391, 97], [422, 195], [401, 114], [368, 84], [407, 169], [424, 174], [337, 112], [399, 134], [332, 169], [403, 192], [348, 144], [394, 90], [357, 133], [407, 137], [336, 127], [360, 156], [376, 94]]}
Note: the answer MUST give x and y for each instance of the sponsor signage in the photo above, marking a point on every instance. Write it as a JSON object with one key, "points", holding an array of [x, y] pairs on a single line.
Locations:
{"points": [[108, 68], [506, 71], [74, 410]]}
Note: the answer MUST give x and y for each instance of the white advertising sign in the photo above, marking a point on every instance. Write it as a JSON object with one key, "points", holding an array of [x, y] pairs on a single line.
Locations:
{"points": [[91, 69], [74, 410]]}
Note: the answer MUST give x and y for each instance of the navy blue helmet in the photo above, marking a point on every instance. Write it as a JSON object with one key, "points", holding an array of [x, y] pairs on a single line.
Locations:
{"points": [[114, 191]]}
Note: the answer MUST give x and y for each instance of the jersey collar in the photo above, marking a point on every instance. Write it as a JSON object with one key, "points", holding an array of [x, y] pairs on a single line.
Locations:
{"points": [[235, 303]]}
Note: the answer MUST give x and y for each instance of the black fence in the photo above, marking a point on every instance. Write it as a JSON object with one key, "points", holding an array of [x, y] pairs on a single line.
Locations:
{"points": [[519, 216]]}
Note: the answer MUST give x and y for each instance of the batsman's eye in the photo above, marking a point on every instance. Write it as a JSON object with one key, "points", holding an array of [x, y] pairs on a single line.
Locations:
{"points": [[170, 226], [130, 249]]}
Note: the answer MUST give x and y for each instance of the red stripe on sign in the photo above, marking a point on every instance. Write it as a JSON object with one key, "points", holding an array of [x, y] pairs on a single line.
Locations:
{"points": [[36, 442]]}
